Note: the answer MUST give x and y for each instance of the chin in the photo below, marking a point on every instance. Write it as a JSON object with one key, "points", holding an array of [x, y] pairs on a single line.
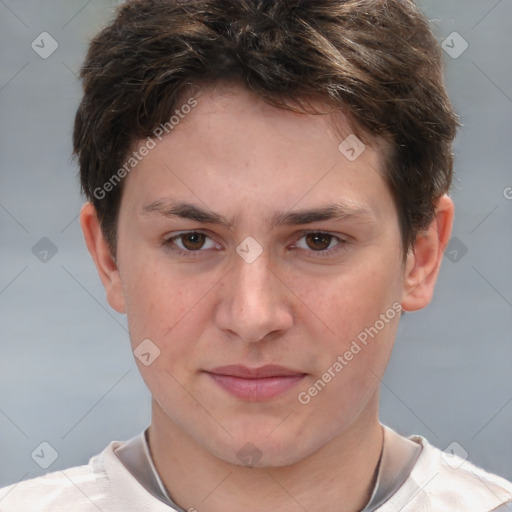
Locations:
{"points": [[259, 449]]}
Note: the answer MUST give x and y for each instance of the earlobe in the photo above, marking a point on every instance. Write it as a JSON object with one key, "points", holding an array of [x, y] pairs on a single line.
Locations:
{"points": [[424, 258], [102, 257]]}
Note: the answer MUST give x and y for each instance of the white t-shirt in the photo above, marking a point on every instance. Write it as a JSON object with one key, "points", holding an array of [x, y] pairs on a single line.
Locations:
{"points": [[437, 482]]}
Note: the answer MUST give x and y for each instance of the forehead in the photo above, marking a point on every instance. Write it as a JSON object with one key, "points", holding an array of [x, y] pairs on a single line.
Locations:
{"points": [[222, 101], [233, 146]]}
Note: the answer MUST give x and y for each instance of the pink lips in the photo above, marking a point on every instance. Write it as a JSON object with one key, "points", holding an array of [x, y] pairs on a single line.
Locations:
{"points": [[255, 384]]}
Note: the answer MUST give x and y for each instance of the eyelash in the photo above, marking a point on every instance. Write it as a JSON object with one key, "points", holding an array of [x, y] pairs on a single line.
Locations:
{"points": [[340, 246], [169, 244]]}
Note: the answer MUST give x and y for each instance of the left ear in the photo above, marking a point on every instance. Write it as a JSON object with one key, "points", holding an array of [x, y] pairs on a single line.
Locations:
{"points": [[425, 256]]}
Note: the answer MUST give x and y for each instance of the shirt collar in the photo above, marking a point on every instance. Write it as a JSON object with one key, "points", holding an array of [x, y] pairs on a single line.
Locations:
{"points": [[399, 455]]}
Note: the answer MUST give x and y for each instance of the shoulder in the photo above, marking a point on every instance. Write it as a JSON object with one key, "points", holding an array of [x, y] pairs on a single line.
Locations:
{"points": [[440, 481], [79, 487], [103, 484]]}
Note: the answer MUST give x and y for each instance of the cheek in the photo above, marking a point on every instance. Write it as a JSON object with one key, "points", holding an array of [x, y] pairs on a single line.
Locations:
{"points": [[346, 303], [167, 308], [162, 313], [145, 300], [351, 304], [350, 370]]}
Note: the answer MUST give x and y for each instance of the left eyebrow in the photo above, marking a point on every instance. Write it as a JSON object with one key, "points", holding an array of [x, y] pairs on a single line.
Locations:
{"points": [[329, 212], [336, 211]]}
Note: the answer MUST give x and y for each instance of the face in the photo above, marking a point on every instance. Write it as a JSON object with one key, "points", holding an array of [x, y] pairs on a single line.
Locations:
{"points": [[266, 269]]}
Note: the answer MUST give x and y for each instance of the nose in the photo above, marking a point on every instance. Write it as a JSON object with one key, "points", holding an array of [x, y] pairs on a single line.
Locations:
{"points": [[255, 303]]}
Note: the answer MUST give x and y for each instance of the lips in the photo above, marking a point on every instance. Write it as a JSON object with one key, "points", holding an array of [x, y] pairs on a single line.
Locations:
{"points": [[255, 384]]}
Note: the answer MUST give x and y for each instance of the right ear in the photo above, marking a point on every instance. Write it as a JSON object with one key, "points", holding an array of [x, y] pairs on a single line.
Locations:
{"points": [[102, 257]]}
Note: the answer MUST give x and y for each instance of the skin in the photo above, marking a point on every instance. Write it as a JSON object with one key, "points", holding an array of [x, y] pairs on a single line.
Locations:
{"points": [[294, 306]]}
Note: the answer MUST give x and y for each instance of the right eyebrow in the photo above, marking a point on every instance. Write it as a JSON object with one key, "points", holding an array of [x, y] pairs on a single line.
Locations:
{"points": [[185, 210]]}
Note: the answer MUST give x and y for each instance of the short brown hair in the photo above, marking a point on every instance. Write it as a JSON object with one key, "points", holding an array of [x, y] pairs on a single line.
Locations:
{"points": [[376, 60]]}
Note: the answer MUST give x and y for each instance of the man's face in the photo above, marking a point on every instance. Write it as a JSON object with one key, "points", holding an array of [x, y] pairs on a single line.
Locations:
{"points": [[247, 238]]}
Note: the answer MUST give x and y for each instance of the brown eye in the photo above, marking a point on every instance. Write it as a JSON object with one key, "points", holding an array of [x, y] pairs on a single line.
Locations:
{"points": [[193, 241], [318, 241], [190, 243]]}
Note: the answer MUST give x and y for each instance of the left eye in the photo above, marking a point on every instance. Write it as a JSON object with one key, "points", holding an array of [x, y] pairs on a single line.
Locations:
{"points": [[318, 241]]}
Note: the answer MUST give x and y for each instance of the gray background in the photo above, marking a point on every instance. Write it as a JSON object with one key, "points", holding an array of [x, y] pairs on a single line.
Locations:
{"points": [[66, 371]]}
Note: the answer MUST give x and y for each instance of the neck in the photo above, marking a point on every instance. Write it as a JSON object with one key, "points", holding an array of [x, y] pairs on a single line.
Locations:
{"points": [[339, 476]]}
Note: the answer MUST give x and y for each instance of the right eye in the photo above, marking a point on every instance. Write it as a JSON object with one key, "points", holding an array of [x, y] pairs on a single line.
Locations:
{"points": [[189, 242]]}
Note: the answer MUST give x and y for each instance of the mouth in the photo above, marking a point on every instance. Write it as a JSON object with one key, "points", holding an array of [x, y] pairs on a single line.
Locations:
{"points": [[255, 384]]}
